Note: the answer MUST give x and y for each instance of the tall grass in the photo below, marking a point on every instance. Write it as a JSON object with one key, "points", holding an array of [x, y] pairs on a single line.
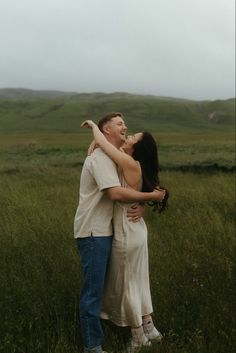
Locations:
{"points": [[39, 269], [178, 151], [191, 249]]}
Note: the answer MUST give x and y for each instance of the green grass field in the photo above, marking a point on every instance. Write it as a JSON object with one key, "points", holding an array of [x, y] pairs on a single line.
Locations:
{"points": [[191, 246], [178, 151]]}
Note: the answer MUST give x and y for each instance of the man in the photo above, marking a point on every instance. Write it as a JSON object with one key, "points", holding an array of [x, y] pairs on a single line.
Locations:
{"points": [[99, 187]]}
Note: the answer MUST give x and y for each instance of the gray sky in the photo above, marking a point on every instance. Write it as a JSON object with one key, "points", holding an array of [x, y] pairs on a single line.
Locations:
{"points": [[178, 48]]}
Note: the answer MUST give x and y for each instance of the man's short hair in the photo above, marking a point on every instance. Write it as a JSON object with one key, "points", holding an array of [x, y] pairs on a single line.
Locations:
{"points": [[107, 118]]}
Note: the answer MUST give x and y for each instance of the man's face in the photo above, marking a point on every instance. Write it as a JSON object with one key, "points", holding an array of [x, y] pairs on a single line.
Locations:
{"points": [[115, 130]]}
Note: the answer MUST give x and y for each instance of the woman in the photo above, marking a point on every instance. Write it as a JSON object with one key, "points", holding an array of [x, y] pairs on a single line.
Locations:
{"points": [[127, 298]]}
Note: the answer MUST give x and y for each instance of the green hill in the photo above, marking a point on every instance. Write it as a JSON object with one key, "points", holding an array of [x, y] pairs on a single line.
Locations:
{"points": [[52, 111], [28, 94]]}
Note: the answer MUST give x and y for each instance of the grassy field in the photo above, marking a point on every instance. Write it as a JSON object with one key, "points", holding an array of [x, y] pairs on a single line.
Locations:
{"points": [[191, 151], [191, 246]]}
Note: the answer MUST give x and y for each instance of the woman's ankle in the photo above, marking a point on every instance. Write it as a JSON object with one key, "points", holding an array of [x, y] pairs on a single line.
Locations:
{"points": [[147, 320]]}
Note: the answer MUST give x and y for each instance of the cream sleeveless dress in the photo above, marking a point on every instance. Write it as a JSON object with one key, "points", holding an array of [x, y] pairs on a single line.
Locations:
{"points": [[126, 296]]}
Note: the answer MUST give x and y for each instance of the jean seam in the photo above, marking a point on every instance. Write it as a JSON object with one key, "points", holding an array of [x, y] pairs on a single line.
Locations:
{"points": [[90, 283]]}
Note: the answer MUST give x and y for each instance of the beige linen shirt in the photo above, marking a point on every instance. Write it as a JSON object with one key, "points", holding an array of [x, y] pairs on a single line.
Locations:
{"points": [[95, 211]]}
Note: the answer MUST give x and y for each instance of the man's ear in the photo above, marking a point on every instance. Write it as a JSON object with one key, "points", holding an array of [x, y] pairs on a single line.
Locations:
{"points": [[106, 129]]}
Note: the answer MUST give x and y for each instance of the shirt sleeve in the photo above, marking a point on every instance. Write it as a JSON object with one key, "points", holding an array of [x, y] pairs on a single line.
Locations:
{"points": [[104, 172]]}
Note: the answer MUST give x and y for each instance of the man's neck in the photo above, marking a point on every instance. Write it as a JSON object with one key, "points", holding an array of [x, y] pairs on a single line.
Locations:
{"points": [[117, 144]]}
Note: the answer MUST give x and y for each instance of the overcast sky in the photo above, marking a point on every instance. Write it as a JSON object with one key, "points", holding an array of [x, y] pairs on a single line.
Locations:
{"points": [[178, 48]]}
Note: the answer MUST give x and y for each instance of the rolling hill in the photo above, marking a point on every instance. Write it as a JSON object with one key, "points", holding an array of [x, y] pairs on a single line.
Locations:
{"points": [[23, 110]]}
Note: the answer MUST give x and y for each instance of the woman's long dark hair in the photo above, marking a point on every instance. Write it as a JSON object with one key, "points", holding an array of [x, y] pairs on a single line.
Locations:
{"points": [[145, 151]]}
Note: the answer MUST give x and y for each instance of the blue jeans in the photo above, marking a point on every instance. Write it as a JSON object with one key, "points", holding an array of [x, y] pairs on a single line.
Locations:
{"points": [[94, 256]]}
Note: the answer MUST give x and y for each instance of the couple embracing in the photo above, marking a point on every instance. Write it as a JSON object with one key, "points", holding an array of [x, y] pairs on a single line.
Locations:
{"points": [[111, 234]]}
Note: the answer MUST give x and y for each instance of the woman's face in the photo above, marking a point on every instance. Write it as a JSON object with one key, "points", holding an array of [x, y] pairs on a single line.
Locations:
{"points": [[130, 141]]}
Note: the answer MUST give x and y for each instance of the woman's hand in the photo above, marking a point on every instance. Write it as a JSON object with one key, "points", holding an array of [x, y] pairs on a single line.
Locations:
{"points": [[88, 124], [92, 147]]}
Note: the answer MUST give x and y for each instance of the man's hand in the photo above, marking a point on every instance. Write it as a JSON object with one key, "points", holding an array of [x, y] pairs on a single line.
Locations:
{"points": [[159, 193], [135, 212]]}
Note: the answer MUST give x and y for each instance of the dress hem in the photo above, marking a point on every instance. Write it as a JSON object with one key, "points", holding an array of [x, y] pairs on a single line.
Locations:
{"points": [[104, 316]]}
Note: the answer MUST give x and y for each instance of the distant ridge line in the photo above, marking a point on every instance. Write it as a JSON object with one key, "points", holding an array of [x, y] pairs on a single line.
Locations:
{"points": [[24, 93], [9, 93]]}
